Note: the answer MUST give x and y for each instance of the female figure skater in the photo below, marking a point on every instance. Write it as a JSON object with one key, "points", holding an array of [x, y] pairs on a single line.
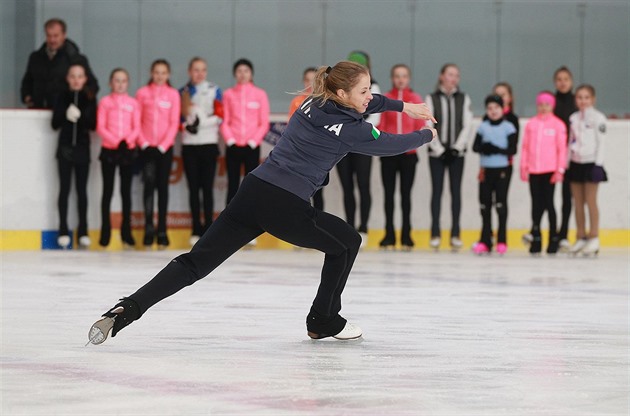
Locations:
{"points": [[274, 198]]}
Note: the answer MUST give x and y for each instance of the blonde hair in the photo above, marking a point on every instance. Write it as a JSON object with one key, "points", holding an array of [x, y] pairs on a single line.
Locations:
{"points": [[343, 76]]}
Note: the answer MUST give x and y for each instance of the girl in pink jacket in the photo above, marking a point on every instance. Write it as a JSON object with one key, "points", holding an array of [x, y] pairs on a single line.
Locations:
{"points": [[159, 114], [543, 162], [245, 124], [118, 124]]}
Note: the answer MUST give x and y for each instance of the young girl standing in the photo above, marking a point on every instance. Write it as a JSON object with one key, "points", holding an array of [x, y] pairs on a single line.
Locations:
{"points": [[159, 115], [586, 171], [403, 164], [452, 108], [245, 123], [74, 115], [276, 198], [496, 142], [202, 113], [543, 161], [118, 124]]}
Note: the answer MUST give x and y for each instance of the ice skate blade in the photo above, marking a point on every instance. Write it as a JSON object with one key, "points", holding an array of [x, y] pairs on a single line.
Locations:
{"points": [[100, 331]]}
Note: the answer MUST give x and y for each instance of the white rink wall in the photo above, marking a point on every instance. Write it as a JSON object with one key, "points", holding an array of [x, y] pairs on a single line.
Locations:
{"points": [[30, 183]]}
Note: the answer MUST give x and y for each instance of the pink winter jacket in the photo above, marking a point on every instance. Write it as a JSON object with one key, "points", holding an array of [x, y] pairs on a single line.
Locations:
{"points": [[245, 115], [544, 148], [159, 115], [118, 119], [397, 122]]}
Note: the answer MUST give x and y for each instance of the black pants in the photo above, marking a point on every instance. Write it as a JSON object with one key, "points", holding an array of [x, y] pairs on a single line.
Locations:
{"points": [[494, 187], [200, 165], [359, 166], [566, 208], [258, 207], [405, 165], [81, 171], [541, 190], [235, 158], [108, 170], [455, 171], [155, 173]]}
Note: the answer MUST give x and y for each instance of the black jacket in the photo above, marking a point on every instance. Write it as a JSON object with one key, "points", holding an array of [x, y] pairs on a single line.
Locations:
{"points": [[45, 79], [318, 136], [74, 138]]}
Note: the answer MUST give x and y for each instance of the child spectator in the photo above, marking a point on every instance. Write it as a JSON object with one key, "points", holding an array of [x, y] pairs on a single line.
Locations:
{"points": [[202, 112], [496, 142], [118, 124], [159, 115], [245, 123], [74, 115], [403, 164], [586, 171], [543, 161]]}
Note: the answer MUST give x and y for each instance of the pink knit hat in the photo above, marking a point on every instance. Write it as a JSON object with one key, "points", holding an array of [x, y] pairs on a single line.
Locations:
{"points": [[546, 98]]}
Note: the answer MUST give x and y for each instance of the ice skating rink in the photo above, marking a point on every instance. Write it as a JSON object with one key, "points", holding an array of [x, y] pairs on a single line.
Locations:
{"points": [[444, 334]]}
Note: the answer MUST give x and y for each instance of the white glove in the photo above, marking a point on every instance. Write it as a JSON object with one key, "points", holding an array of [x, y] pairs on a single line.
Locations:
{"points": [[252, 144], [230, 142], [73, 113]]}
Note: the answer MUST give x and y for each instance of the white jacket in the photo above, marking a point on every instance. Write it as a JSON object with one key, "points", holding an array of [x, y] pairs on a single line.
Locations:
{"points": [[202, 98], [586, 139]]}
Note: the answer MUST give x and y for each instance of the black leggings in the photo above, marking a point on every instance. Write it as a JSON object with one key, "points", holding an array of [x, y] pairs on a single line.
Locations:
{"points": [[455, 172], [359, 166], [81, 171], [235, 158], [541, 190], [566, 208], [404, 164], [494, 187], [258, 207], [200, 163], [108, 170], [155, 173]]}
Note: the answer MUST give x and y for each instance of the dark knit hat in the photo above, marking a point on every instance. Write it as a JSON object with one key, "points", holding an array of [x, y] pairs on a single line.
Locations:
{"points": [[493, 98], [243, 61]]}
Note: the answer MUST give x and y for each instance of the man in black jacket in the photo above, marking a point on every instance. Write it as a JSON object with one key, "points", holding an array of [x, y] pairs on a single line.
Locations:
{"points": [[47, 67]]}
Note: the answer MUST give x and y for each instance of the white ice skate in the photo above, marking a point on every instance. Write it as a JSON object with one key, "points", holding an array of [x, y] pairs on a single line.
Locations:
{"points": [[456, 244], [591, 248], [84, 242], [64, 241], [349, 331], [435, 243]]}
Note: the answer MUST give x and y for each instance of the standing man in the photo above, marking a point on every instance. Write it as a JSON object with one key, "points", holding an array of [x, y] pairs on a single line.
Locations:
{"points": [[45, 76]]}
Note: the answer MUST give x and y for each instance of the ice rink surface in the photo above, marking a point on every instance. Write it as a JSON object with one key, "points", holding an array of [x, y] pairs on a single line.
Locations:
{"points": [[444, 334]]}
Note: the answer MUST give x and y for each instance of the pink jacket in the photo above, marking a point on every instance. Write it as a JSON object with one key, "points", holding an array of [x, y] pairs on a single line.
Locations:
{"points": [[118, 119], [245, 115], [544, 148], [160, 111], [396, 122]]}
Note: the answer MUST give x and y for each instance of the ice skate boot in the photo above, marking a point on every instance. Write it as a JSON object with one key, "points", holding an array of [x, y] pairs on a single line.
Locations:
{"points": [[564, 246], [64, 241], [535, 246], [591, 248], [554, 245], [456, 244], [162, 240], [149, 235], [118, 317], [527, 239], [578, 247], [349, 331], [481, 248], [502, 248], [407, 243], [84, 242], [388, 243], [434, 243]]}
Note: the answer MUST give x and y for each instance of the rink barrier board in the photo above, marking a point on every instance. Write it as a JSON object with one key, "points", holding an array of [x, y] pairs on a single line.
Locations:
{"points": [[179, 239]]}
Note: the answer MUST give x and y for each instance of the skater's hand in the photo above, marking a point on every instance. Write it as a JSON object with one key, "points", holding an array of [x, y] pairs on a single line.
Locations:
{"points": [[230, 142], [252, 144], [193, 128], [557, 177], [418, 111], [433, 131], [73, 113]]}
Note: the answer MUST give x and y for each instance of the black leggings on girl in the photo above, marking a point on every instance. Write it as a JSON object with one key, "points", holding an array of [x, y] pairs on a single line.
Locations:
{"points": [[200, 163], [155, 173], [109, 172], [404, 164], [352, 165], [235, 159], [455, 171], [261, 207], [541, 190], [81, 171]]}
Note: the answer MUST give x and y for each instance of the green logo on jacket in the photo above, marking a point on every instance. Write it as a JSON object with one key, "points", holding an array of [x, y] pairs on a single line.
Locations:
{"points": [[375, 133]]}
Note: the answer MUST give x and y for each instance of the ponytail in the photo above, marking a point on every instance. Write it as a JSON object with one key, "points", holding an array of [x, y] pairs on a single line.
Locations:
{"points": [[344, 75]]}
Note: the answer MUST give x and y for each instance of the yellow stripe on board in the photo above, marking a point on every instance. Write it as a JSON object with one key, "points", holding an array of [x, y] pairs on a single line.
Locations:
{"points": [[20, 240]]}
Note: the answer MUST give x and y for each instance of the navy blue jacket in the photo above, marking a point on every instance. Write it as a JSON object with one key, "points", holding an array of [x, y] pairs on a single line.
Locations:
{"points": [[317, 137]]}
